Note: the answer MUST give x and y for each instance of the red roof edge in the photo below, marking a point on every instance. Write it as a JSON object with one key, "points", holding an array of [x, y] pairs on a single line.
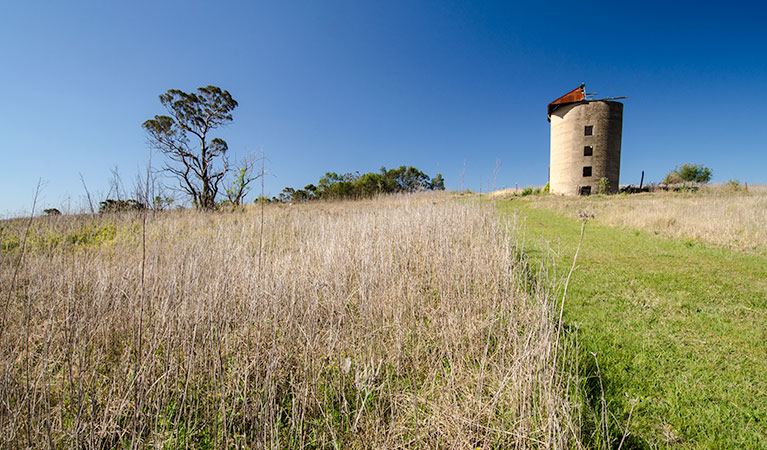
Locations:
{"points": [[576, 95]]}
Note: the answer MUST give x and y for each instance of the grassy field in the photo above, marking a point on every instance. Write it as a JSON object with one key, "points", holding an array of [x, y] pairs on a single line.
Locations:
{"points": [[718, 216], [670, 297], [407, 322]]}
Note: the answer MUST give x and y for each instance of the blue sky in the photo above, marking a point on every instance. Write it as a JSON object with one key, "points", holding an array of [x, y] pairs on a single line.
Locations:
{"points": [[340, 86]]}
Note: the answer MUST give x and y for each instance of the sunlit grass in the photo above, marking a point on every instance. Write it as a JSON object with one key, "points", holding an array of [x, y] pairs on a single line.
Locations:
{"points": [[407, 322], [674, 317], [716, 215]]}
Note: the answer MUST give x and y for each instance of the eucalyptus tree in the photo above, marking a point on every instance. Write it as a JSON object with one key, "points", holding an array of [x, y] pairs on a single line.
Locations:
{"points": [[194, 157]]}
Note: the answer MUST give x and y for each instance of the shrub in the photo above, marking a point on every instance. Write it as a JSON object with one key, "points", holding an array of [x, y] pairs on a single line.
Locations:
{"points": [[527, 191], [8, 242], [673, 177], [697, 173], [161, 203], [688, 187], [262, 199], [90, 234], [602, 185], [110, 206]]}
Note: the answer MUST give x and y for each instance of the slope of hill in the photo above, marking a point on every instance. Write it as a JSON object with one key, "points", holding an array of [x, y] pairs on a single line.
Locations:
{"points": [[674, 314]]}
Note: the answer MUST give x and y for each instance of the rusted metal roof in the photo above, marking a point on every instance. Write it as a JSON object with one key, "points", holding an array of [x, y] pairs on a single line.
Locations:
{"points": [[576, 95]]}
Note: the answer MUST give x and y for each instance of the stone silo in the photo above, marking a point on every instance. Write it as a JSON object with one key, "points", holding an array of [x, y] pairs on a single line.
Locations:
{"points": [[585, 144]]}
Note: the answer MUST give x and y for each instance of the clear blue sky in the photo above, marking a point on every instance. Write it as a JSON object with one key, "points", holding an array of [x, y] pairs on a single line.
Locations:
{"points": [[356, 85]]}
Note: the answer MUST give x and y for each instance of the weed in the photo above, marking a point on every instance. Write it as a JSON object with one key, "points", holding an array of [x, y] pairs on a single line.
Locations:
{"points": [[733, 185], [527, 191]]}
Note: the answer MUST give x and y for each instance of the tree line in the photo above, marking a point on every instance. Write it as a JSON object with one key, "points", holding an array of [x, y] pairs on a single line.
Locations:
{"points": [[354, 185]]}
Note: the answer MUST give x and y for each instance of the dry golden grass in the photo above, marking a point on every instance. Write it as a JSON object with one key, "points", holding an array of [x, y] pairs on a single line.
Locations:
{"points": [[718, 216], [404, 322]]}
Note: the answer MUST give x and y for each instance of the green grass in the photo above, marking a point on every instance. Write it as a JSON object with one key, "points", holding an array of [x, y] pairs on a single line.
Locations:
{"points": [[679, 326]]}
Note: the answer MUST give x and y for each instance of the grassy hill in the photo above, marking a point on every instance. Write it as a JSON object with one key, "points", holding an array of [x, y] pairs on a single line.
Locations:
{"points": [[675, 314], [401, 322]]}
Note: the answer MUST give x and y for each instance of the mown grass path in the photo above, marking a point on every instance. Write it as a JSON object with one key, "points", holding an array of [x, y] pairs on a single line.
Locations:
{"points": [[677, 325]]}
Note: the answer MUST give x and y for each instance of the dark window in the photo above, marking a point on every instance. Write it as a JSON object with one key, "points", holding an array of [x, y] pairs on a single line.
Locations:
{"points": [[588, 130], [587, 171], [588, 150], [585, 190]]}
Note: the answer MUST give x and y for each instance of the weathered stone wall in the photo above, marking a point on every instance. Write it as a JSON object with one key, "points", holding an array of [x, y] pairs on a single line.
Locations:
{"points": [[568, 140]]}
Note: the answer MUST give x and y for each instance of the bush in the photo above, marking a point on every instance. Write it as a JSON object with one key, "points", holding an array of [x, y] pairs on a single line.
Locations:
{"points": [[527, 191], [688, 187], [602, 185], [697, 173], [111, 206], [161, 203], [530, 190], [263, 199], [673, 177]]}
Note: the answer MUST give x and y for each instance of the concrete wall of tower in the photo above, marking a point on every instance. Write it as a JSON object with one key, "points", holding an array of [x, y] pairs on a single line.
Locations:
{"points": [[574, 169]]}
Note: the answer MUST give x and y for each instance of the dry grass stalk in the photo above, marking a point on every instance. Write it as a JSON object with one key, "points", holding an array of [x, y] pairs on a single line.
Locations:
{"points": [[401, 322]]}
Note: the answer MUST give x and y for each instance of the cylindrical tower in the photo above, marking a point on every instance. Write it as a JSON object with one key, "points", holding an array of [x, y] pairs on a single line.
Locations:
{"points": [[585, 147]]}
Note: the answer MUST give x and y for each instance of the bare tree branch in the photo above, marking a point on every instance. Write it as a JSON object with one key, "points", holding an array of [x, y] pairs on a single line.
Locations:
{"points": [[238, 188], [88, 194]]}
